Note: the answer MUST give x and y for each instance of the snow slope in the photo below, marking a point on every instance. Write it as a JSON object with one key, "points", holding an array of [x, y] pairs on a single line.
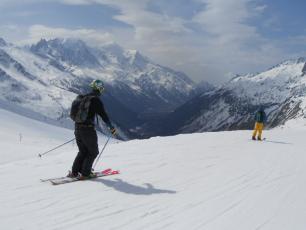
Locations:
{"points": [[214, 181]]}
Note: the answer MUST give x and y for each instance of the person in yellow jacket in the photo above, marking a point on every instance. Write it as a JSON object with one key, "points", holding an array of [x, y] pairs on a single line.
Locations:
{"points": [[260, 119]]}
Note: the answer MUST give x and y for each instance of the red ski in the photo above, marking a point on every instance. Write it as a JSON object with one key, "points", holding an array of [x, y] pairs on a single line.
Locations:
{"points": [[65, 180]]}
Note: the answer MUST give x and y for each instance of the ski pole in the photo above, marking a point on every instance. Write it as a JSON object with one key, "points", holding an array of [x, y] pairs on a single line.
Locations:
{"points": [[101, 152], [41, 154]]}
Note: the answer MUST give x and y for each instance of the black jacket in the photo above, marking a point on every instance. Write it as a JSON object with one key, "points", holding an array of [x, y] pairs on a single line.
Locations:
{"points": [[96, 108], [260, 116]]}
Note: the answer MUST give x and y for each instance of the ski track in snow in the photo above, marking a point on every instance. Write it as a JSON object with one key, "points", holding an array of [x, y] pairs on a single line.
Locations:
{"points": [[213, 181]]}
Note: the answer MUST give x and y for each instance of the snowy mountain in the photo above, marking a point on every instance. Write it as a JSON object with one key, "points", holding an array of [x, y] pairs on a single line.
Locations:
{"points": [[281, 91], [45, 78], [131, 78], [219, 180], [26, 81], [68, 52]]}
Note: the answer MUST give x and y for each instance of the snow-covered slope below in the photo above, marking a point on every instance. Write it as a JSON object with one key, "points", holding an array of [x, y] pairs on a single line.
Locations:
{"points": [[24, 138], [221, 181]]}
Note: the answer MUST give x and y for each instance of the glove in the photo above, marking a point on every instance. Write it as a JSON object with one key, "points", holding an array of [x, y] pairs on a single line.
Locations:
{"points": [[111, 128], [113, 131]]}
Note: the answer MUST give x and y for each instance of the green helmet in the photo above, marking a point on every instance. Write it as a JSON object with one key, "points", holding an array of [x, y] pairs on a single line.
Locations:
{"points": [[97, 85]]}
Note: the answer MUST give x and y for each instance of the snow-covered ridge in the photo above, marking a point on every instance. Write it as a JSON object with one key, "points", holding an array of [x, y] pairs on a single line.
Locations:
{"points": [[273, 85], [281, 90], [27, 81]]}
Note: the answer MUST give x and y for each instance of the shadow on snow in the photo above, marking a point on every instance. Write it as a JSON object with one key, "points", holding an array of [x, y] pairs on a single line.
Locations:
{"points": [[128, 188], [278, 142]]}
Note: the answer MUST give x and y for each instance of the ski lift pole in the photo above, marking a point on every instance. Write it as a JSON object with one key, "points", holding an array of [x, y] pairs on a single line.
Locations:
{"points": [[41, 154], [101, 152]]}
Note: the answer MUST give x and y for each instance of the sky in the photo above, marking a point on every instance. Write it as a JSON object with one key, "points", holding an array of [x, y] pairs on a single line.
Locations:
{"points": [[209, 40]]}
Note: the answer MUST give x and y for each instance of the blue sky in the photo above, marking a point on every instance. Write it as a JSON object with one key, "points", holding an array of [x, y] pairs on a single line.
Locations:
{"points": [[207, 39]]}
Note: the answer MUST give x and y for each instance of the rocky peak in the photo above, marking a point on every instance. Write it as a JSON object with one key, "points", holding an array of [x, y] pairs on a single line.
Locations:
{"points": [[71, 51], [41, 46]]}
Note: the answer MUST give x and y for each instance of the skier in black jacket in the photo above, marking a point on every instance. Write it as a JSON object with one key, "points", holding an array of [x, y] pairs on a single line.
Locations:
{"points": [[85, 133]]}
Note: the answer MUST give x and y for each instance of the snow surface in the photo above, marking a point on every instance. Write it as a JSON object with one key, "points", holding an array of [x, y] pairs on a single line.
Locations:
{"points": [[214, 181]]}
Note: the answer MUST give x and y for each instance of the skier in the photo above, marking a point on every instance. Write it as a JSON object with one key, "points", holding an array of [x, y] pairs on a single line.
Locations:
{"points": [[83, 111], [260, 119]]}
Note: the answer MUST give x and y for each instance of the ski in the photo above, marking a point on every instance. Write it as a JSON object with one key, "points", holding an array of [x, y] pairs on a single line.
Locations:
{"points": [[70, 180], [97, 174], [64, 180], [64, 177], [263, 139]]}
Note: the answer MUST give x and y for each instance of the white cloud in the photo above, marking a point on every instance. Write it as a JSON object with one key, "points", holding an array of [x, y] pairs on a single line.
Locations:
{"points": [[226, 21], [222, 41], [36, 32]]}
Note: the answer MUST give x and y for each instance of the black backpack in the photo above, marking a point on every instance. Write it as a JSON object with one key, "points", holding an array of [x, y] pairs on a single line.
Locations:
{"points": [[80, 107]]}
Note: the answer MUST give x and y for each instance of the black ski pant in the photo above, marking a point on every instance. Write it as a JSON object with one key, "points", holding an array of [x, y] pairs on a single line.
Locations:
{"points": [[87, 141]]}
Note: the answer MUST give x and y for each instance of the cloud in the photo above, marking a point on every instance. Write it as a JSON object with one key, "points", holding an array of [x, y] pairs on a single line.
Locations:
{"points": [[36, 32], [217, 40], [230, 42], [226, 21]]}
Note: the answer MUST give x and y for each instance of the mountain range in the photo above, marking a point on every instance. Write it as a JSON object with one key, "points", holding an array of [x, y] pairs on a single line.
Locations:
{"points": [[45, 77], [143, 99], [280, 90]]}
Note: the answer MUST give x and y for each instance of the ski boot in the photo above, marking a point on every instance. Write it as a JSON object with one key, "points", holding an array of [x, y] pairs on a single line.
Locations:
{"points": [[71, 175], [91, 175], [253, 138]]}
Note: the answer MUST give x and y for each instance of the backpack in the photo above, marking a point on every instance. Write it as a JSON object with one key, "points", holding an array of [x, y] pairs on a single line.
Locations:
{"points": [[80, 107], [260, 116]]}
